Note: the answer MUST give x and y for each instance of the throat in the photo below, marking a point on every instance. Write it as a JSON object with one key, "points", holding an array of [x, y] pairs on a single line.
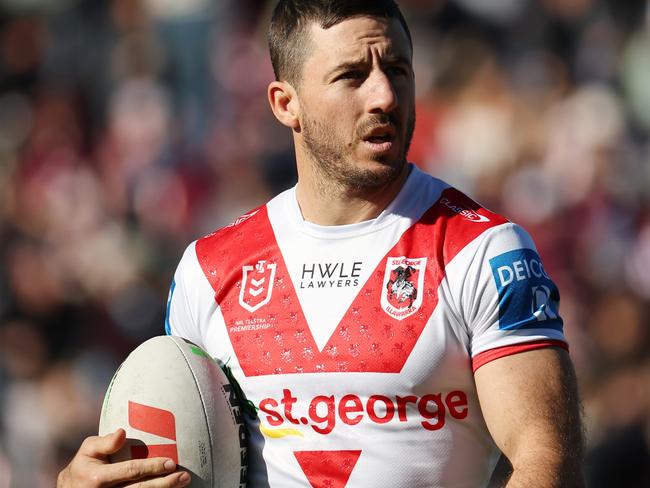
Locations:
{"points": [[327, 202]]}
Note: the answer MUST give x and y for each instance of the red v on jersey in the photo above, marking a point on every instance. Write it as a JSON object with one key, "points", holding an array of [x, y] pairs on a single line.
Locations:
{"points": [[327, 469], [274, 338]]}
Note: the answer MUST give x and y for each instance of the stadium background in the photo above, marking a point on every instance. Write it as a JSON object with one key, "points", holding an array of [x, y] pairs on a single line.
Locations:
{"points": [[128, 128]]}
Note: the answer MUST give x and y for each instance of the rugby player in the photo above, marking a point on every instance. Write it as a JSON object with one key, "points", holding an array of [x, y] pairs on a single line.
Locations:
{"points": [[389, 330]]}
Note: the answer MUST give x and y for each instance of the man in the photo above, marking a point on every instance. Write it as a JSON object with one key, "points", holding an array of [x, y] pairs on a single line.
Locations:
{"points": [[390, 331]]}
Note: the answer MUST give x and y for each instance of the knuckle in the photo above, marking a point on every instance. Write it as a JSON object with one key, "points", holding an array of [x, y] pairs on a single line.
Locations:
{"points": [[78, 473], [62, 478], [88, 443], [94, 480], [140, 484], [152, 483], [90, 480], [157, 467], [133, 470]]}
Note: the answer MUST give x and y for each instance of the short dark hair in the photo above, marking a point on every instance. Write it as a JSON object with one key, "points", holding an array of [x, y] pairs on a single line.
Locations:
{"points": [[288, 39]]}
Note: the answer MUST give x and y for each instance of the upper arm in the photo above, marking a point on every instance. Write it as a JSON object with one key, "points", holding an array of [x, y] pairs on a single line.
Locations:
{"points": [[530, 405], [524, 377]]}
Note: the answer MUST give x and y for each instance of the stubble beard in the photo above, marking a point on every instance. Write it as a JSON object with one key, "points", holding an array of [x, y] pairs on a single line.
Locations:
{"points": [[334, 160]]}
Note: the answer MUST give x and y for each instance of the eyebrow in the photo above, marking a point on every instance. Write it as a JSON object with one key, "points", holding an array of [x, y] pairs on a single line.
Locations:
{"points": [[390, 60], [345, 66]]}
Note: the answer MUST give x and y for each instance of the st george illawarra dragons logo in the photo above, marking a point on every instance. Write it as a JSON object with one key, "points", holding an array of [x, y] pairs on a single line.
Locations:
{"points": [[403, 286]]}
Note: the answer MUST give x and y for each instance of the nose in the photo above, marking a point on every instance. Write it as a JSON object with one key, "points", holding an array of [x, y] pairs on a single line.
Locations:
{"points": [[382, 97]]}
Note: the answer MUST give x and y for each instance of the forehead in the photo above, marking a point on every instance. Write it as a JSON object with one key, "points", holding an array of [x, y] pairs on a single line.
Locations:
{"points": [[354, 39]]}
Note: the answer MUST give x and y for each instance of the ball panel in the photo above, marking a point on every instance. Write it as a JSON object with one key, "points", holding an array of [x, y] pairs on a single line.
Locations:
{"points": [[222, 416]]}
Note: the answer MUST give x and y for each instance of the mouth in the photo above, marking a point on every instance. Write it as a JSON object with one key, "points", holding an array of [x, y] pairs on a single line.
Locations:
{"points": [[380, 139]]}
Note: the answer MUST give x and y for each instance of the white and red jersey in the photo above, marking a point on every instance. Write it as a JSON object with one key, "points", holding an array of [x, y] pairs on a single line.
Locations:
{"points": [[358, 343]]}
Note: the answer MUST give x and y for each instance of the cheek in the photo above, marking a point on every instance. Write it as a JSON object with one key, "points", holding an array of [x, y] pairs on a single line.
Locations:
{"points": [[341, 127], [339, 105], [335, 114]]}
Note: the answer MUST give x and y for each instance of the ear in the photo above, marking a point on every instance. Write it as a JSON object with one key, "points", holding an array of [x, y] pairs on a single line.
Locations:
{"points": [[284, 103]]}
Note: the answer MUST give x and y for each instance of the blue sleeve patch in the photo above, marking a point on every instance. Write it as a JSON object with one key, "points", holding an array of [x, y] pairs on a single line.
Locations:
{"points": [[528, 299], [168, 327]]}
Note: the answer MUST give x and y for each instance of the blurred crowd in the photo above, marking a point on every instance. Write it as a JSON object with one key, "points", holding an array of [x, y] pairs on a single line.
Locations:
{"points": [[128, 128]]}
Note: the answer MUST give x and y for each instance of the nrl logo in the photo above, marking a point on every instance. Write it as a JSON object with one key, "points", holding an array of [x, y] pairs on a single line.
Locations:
{"points": [[256, 285], [403, 285]]}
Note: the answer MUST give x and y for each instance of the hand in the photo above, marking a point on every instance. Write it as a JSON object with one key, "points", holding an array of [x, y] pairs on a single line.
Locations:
{"points": [[90, 468]]}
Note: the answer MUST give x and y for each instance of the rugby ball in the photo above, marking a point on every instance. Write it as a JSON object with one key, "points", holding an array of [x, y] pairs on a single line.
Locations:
{"points": [[175, 401]]}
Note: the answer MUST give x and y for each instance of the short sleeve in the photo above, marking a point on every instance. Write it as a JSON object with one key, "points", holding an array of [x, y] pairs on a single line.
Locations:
{"points": [[508, 301], [180, 319]]}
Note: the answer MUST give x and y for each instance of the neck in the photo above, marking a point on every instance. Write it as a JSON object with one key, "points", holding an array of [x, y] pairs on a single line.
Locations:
{"points": [[325, 203]]}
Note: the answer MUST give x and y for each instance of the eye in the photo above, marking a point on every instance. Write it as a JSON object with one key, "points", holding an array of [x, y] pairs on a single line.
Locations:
{"points": [[351, 75], [397, 70]]}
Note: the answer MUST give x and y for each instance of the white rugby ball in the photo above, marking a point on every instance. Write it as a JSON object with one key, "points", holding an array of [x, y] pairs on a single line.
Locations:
{"points": [[174, 401]]}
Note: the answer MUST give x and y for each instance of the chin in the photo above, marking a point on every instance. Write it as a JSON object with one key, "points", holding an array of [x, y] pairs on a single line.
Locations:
{"points": [[374, 174], [385, 163]]}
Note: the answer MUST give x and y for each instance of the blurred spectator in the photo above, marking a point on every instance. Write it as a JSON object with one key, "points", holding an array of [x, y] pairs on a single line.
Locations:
{"points": [[130, 127]]}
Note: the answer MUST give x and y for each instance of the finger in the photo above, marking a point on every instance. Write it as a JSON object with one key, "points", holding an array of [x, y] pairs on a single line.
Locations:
{"points": [[178, 479], [101, 446], [137, 470]]}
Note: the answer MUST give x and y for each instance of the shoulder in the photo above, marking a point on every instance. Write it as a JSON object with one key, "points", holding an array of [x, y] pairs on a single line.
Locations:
{"points": [[237, 244], [449, 204], [241, 224], [453, 220], [212, 247]]}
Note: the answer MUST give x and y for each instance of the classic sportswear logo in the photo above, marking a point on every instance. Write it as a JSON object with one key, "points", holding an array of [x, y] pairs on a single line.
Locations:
{"points": [[256, 285], [466, 213], [528, 298], [242, 219], [403, 285], [323, 412]]}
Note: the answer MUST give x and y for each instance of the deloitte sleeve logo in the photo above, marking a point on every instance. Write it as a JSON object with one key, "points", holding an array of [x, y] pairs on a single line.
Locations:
{"points": [[528, 299]]}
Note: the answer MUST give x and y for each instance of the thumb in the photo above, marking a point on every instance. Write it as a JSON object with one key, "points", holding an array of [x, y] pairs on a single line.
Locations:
{"points": [[101, 446], [114, 441]]}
